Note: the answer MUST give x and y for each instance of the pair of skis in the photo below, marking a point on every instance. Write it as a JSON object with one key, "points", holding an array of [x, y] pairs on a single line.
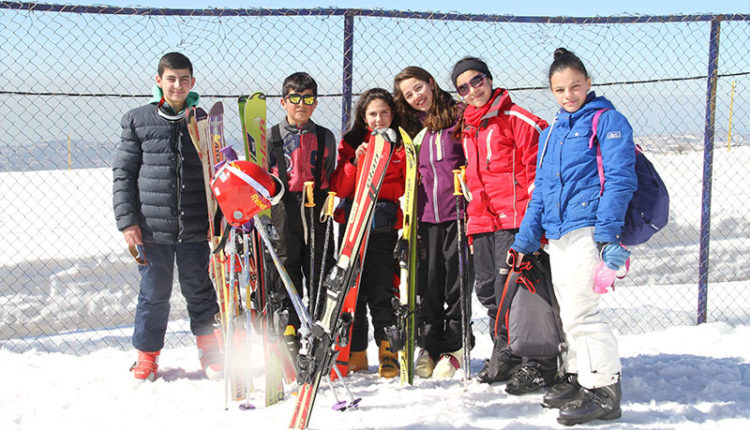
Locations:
{"points": [[252, 110], [243, 262], [403, 336], [318, 346], [207, 133]]}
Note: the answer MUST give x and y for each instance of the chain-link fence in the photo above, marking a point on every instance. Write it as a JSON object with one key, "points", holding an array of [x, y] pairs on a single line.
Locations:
{"points": [[68, 73]]}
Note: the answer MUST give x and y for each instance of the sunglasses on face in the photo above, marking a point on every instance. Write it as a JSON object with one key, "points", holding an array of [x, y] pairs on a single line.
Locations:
{"points": [[476, 82], [295, 99]]}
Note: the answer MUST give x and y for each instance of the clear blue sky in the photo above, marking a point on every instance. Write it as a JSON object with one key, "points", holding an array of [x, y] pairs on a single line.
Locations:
{"points": [[515, 7]]}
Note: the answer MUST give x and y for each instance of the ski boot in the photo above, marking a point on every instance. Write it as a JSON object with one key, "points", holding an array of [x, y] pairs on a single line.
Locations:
{"points": [[210, 354], [425, 364], [146, 366], [562, 392], [388, 367], [358, 361], [592, 404], [528, 379], [448, 364]]}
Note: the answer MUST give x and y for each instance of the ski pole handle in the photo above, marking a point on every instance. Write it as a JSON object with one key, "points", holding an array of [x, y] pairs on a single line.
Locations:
{"points": [[310, 201], [456, 182], [462, 181], [330, 203]]}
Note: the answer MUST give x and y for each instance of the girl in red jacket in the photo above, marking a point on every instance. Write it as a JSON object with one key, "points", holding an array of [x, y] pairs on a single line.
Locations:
{"points": [[500, 141], [374, 110]]}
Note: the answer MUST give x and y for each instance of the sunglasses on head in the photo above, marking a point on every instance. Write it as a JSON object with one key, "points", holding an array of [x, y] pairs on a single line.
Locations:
{"points": [[295, 99], [476, 82]]}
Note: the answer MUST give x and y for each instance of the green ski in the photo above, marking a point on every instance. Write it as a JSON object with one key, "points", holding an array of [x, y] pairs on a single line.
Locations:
{"points": [[406, 254]]}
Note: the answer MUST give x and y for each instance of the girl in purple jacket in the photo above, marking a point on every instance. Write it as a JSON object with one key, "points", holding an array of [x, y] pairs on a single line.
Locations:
{"points": [[422, 105]]}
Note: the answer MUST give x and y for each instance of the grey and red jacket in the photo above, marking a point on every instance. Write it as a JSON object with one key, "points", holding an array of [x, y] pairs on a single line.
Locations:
{"points": [[501, 152], [300, 150], [439, 155]]}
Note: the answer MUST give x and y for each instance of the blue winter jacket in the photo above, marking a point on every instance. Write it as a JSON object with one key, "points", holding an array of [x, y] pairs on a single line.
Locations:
{"points": [[566, 196]]}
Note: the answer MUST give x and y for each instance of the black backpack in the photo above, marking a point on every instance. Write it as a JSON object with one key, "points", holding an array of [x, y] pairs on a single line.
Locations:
{"points": [[529, 308]]}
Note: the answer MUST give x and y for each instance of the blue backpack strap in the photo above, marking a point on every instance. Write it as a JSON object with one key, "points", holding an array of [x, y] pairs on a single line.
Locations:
{"points": [[593, 139]]}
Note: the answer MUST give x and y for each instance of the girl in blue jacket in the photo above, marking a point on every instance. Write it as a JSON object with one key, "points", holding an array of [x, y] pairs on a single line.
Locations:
{"points": [[582, 221]]}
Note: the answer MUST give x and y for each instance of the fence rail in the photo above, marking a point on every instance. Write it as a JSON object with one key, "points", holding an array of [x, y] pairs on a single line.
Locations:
{"points": [[69, 72]]}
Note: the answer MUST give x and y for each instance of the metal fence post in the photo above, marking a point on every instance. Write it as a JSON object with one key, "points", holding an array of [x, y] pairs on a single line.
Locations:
{"points": [[708, 154], [346, 91]]}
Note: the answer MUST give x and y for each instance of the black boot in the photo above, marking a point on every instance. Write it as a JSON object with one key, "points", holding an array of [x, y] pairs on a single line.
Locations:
{"points": [[562, 392], [592, 404], [528, 379], [500, 367]]}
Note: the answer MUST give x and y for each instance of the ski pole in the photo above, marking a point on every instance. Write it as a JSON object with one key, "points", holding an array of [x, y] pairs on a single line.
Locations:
{"points": [[326, 217], [261, 224], [310, 203], [465, 329], [230, 322], [248, 322], [352, 401]]}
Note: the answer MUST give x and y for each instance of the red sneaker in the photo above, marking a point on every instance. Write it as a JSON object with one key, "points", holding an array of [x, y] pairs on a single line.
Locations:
{"points": [[210, 354], [145, 367]]}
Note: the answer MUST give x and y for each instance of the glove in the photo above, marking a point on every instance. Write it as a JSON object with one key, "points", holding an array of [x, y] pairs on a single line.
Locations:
{"points": [[613, 254]]}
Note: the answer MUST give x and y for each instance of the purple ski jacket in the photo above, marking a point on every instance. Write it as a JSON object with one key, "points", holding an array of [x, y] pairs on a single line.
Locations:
{"points": [[440, 153]]}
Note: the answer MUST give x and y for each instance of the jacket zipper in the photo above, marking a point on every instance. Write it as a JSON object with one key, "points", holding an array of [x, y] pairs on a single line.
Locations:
{"points": [[489, 147], [435, 182], [179, 181], [513, 185]]}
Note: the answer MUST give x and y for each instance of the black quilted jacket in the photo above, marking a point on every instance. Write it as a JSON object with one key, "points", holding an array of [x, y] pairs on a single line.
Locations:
{"points": [[158, 179]]}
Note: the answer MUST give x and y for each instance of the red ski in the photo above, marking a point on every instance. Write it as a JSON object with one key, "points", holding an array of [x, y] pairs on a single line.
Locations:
{"points": [[317, 353]]}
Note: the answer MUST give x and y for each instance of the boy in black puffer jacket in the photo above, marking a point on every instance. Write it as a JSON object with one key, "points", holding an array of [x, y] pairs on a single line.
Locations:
{"points": [[160, 204]]}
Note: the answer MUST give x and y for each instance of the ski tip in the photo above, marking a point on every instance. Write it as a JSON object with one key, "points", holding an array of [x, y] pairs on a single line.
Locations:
{"points": [[405, 137], [387, 133], [217, 108], [258, 95], [200, 113]]}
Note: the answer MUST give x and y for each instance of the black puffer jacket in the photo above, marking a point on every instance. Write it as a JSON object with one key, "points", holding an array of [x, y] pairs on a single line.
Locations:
{"points": [[158, 179]]}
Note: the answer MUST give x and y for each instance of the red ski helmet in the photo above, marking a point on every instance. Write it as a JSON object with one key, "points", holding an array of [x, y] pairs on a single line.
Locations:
{"points": [[243, 189]]}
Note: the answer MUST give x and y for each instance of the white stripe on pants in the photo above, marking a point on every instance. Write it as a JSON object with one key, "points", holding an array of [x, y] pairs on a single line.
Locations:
{"points": [[592, 347]]}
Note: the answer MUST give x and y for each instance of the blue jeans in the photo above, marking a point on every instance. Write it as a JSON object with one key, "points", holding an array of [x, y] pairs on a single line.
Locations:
{"points": [[152, 311]]}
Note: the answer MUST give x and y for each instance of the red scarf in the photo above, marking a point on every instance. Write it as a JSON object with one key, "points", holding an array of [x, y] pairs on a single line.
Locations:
{"points": [[473, 116]]}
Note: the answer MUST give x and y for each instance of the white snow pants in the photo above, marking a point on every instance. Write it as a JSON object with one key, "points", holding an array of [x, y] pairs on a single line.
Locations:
{"points": [[592, 347]]}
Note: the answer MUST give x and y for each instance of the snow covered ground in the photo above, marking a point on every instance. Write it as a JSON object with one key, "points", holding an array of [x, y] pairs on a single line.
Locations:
{"points": [[67, 295], [683, 377]]}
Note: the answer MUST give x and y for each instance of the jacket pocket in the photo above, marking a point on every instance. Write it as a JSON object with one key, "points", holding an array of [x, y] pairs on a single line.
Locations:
{"points": [[584, 205]]}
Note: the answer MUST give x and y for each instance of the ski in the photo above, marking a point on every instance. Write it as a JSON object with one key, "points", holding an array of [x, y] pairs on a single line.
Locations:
{"points": [[233, 325], [317, 350], [206, 132], [254, 128], [253, 119], [402, 337]]}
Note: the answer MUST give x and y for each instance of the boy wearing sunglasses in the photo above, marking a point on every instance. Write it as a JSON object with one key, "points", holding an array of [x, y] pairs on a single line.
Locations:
{"points": [[500, 141], [300, 151]]}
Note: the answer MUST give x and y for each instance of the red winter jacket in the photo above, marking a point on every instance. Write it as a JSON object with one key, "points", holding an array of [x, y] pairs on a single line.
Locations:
{"points": [[500, 164], [344, 178]]}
